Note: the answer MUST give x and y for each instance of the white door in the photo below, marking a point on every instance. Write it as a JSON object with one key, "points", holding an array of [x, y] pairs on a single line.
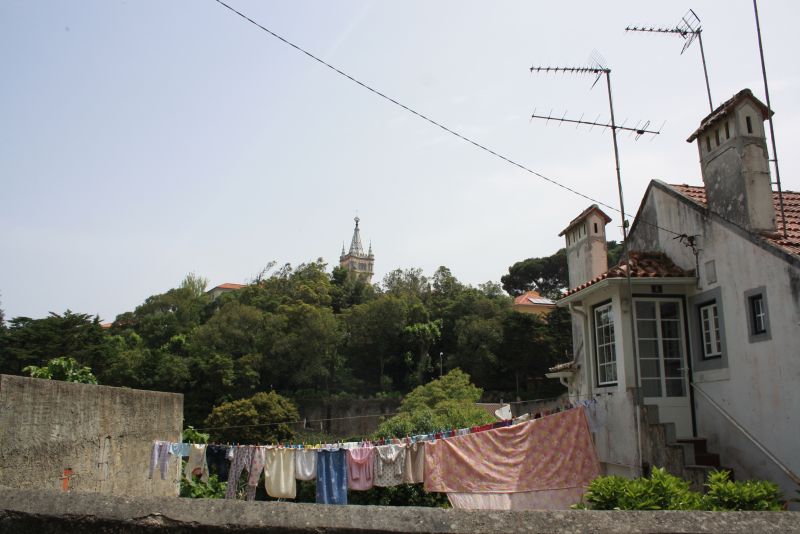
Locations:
{"points": [[662, 360]]}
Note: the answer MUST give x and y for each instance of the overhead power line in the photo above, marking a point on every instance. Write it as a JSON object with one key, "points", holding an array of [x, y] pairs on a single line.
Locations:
{"points": [[426, 118]]}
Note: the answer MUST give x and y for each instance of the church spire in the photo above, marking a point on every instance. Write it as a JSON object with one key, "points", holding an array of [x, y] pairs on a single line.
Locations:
{"points": [[355, 245]]}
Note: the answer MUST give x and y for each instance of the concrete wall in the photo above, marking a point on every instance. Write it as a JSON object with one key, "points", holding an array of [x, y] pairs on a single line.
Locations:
{"points": [[36, 512], [758, 380], [102, 434], [346, 417]]}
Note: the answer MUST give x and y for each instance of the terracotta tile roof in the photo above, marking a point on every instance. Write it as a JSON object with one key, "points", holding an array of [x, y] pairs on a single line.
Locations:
{"points": [[643, 265], [228, 285], [791, 207], [583, 215], [723, 110], [533, 298]]}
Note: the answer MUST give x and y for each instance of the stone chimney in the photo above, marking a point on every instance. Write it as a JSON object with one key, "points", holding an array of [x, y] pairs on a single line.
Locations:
{"points": [[735, 162], [587, 249]]}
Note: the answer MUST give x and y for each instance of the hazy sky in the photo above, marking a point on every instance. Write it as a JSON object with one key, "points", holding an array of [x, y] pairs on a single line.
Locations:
{"points": [[143, 140]]}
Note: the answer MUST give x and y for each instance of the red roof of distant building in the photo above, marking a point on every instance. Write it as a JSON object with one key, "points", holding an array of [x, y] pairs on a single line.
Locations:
{"points": [[791, 207], [533, 298], [229, 285], [642, 265]]}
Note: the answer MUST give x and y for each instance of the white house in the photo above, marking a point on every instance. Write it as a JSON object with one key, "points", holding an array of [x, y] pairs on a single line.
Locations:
{"points": [[704, 336]]}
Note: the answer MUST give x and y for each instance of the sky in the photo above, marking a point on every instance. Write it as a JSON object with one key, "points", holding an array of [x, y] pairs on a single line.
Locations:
{"points": [[144, 140]]}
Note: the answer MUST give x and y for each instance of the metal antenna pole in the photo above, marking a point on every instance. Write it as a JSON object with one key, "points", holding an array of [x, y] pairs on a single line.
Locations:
{"points": [[705, 69], [769, 118]]}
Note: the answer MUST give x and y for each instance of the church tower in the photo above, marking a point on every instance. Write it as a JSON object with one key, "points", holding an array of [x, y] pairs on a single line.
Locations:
{"points": [[355, 261]]}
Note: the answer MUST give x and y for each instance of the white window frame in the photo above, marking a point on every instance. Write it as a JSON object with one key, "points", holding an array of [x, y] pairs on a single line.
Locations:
{"points": [[710, 338], [605, 350], [758, 314]]}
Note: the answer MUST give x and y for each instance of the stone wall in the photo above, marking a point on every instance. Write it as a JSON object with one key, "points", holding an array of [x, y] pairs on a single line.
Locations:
{"points": [[34, 512], [78, 437], [345, 418]]}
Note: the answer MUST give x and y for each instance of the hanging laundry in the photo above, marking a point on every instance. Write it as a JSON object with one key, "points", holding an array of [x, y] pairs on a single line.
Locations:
{"points": [[242, 458], [181, 450], [159, 457], [595, 415], [332, 476], [279, 473], [218, 461], [541, 458], [414, 470], [256, 468], [390, 463], [361, 468], [196, 464], [305, 464]]}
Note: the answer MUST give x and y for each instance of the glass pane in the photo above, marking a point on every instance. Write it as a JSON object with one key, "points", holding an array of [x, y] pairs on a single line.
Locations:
{"points": [[669, 310], [645, 309], [672, 349], [647, 329], [648, 349], [670, 329], [650, 369], [673, 369], [675, 387], [651, 388]]}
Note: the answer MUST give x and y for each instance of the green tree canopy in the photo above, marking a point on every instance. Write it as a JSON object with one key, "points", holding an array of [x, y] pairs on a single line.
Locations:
{"points": [[262, 418], [444, 403]]}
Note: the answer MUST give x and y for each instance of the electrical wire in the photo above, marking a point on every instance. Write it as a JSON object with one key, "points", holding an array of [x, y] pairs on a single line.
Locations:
{"points": [[434, 122]]}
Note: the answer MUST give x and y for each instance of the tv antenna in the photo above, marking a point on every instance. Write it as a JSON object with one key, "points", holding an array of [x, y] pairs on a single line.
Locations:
{"points": [[689, 29], [599, 70], [769, 117]]}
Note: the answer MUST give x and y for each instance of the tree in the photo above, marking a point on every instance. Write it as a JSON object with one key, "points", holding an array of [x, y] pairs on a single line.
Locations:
{"points": [[66, 369], [548, 275], [447, 402], [71, 335], [262, 418]]}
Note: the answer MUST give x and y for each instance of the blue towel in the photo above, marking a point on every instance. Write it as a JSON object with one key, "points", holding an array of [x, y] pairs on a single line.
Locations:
{"points": [[332, 477]]}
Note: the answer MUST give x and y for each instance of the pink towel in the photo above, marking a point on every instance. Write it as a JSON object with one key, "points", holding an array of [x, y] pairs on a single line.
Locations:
{"points": [[552, 453]]}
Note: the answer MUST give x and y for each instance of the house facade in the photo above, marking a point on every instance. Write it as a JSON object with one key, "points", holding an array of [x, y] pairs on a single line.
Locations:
{"points": [[699, 326]]}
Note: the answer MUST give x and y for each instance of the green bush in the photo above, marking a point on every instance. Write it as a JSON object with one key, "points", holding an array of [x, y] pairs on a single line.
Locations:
{"points": [[725, 494], [196, 489], [662, 491]]}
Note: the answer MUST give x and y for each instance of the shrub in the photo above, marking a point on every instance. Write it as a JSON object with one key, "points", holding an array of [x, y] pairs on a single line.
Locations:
{"points": [[662, 491]]}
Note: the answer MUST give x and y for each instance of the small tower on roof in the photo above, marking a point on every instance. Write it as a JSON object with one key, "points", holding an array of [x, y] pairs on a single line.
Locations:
{"points": [[355, 261]]}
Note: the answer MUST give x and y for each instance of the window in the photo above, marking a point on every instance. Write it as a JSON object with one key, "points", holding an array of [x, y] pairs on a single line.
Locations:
{"points": [[605, 349], [659, 336], [595, 227], [757, 307], [716, 136], [708, 144], [758, 314], [709, 327], [749, 124], [727, 130]]}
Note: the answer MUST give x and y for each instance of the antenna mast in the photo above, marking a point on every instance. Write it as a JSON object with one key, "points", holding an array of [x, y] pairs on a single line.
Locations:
{"points": [[769, 117], [689, 29]]}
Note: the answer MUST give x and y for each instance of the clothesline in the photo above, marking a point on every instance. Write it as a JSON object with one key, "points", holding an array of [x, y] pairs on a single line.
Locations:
{"points": [[304, 421], [479, 468]]}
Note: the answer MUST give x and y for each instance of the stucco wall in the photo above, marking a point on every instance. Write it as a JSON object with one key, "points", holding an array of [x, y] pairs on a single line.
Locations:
{"points": [[102, 434], [759, 384]]}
